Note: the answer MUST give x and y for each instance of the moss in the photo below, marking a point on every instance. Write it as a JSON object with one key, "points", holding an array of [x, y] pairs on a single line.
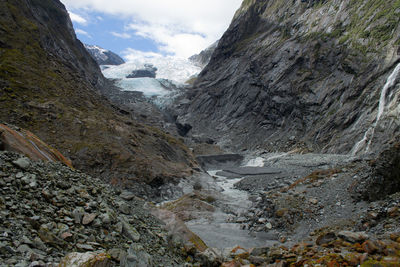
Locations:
{"points": [[374, 21], [244, 43], [197, 242]]}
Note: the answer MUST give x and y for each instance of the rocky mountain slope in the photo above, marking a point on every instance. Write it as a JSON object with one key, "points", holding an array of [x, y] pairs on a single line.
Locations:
{"points": [[103, 56], [204, 56], [307, 74], [52, 86]]}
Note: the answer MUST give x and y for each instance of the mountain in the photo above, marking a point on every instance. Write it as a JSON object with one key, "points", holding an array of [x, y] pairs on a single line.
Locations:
{"points": [[204, 56], [316, 75], [103, 56], [51, 86]]}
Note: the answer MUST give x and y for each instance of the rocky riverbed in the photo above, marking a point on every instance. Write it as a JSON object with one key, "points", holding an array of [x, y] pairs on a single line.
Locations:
{"points": [[269, 201]]}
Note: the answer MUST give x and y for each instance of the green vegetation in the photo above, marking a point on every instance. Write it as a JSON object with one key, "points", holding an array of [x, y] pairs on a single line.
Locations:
{"points": [[372, 25]]}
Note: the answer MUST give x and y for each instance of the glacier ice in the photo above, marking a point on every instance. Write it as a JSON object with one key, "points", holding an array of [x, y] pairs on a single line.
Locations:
{"points": [[176, 70]]}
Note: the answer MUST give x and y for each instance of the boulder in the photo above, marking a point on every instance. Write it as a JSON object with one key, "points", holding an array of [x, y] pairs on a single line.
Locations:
{"points": [[353, 237], [136, 257]]}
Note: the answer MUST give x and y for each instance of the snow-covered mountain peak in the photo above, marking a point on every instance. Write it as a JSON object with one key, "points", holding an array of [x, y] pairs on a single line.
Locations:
{"points": [[103, 56]]}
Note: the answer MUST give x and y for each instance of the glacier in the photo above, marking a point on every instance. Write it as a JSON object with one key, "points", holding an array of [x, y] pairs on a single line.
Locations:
{"points": [[176, 70]]}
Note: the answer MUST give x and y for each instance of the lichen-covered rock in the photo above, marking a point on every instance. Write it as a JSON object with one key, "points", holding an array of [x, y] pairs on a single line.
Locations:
{"points": [[88, 259]]}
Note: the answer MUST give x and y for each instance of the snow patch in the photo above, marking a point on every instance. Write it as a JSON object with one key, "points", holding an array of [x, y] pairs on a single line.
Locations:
{"points": [[256, 162]]}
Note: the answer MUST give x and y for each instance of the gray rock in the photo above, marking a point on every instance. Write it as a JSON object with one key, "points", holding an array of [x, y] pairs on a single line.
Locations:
{"points": [[136, 257], [124, 207], [88, 218], [22, 163], [128, 230], [127, 195], [353, 237], [85, 247], [78, 214]]}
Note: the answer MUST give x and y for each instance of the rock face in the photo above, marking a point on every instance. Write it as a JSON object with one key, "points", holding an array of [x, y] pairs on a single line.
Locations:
{"points": [[302, 73], [384, 177], [149, 71], [51, 85], [103, 56]]}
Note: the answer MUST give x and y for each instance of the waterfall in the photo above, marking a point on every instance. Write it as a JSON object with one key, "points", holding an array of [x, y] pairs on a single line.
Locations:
{"points": [[369, 134]]}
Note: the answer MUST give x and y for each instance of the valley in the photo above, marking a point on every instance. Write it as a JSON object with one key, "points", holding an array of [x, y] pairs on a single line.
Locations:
{"points": [[279, 145]]}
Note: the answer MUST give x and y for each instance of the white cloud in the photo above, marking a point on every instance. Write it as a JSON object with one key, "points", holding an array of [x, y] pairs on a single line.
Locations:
{"points": [[180, 27], [136, 55], [123, 35], [76, 18], [82, 32]]}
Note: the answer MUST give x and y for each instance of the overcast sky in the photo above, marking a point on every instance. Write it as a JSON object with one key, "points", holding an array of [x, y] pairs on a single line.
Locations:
{"points": [[168, 27]]}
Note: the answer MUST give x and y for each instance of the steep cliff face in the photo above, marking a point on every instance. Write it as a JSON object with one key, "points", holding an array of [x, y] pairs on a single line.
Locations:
{"points": [[50, 85], [302, 73]]}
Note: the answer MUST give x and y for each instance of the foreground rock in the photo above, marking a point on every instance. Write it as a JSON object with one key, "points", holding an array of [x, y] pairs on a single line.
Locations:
{"points": [[48, 210]]}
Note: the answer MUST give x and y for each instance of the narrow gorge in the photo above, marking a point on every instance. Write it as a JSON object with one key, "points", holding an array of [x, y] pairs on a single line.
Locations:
{"points": [[279, 145]]}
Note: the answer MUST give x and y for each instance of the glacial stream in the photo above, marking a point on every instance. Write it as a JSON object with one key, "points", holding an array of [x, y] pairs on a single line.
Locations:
{"points": [[218, 231], [271, 171]]}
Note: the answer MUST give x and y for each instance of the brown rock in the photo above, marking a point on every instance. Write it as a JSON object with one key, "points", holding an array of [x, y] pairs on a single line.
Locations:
{"points": [[25, 142], [66, 236], [393, 212], [325, 238], [369, 247], [354, 259], [394, 236], [363, 258], [88, 218], [281, 212]]}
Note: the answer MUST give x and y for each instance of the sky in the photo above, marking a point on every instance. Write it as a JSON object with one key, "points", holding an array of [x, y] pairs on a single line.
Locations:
{"points": [[179, 28]]}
